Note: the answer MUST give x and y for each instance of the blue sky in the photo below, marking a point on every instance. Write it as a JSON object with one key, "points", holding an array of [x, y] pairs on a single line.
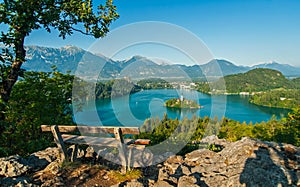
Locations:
{"points": [[245, 32]]}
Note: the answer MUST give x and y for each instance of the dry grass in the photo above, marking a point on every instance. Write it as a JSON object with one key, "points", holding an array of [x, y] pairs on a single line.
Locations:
{"points": [[128, 176]]}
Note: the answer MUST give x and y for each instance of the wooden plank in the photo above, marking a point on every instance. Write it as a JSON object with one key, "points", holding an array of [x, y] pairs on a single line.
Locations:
{"points": [[90, 140], [142, 142], [59, 142], [110, 142], [92, 129]]}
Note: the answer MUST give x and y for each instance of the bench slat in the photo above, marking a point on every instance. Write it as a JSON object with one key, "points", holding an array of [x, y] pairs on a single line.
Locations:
{"points": [[109, 142], [90, 140], [142, 142], [92, 129]]}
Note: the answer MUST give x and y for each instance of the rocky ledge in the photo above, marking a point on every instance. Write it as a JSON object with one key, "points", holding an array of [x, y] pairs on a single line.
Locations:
{"points": [[248, 162]]}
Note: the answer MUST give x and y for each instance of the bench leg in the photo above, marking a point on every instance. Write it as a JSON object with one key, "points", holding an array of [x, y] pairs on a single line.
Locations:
{"points": [[59, 142], [129, 157], [74, 153], [122, 155], [122, 149]]}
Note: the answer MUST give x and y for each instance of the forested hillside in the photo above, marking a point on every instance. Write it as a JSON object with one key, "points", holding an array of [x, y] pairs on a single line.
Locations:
{"points": [[279, 98], [256, 80]]}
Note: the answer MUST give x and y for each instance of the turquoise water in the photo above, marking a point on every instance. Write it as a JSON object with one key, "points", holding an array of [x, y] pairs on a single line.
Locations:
{"points": [[132, 110]]}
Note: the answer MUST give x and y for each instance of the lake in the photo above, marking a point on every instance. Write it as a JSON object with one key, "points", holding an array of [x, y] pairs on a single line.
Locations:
{"points": [[132, 110]]}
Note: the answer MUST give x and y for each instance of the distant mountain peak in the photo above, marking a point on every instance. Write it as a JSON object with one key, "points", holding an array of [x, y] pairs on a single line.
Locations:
{"points": [[286, 69], [138, 57]]}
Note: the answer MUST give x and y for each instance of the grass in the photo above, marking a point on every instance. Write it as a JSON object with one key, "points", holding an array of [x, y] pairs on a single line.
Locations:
{"points": [[128, 176], [68, 164]]}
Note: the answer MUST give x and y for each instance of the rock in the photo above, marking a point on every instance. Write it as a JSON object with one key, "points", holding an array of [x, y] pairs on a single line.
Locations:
{"points": [[105, 177], [134, 184], [163, 184], [248, 162], [56, 181], [90, 152], [198, 156], [53, 167], [163, 174], [176, 159], [214, 140], [41, 159], [184, 170], [173, 163], [185, 181], [140, 156], [17, 181], [161, 157], [13, 166]]}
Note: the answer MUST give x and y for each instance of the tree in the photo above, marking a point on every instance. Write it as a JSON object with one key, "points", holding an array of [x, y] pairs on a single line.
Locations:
{"points": [[66, 16], [47, 101]]}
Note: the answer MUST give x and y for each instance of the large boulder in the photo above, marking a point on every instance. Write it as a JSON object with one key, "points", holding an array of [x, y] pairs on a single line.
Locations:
{"points": [[248, 162]]}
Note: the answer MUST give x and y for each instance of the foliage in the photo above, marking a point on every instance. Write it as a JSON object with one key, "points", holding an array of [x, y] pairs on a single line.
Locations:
{"points": [[214, 147], [177, 103], [25, 16], [47, 101], [279, 98], [296, 83], [203, 87], [154, 83], [256, 80], [115, 88], [20, 18], [286, 130]]}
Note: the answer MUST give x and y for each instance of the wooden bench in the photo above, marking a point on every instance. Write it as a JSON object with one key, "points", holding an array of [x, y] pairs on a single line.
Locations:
{"points": [[87, 135]]}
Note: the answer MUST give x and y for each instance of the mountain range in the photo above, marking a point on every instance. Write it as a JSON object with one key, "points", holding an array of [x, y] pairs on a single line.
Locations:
{"points": [[75, 60]]}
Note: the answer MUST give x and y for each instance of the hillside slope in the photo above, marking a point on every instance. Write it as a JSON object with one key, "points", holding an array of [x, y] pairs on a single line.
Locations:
{"points": [[256, 80]]}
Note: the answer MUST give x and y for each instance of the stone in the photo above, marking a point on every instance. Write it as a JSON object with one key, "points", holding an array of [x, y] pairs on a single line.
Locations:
{"points": [[163, 173], [17, 181], [134, 184], [54, 167], [139, 156], [173, 163], [248, 162], [41, 159], [90, 152], [185, 181], [198, 156], [163, 184], [13, 166], [159, 158], [213, 139], [184, 170]]}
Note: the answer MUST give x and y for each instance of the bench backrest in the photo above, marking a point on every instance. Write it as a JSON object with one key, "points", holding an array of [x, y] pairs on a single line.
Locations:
{"points": [[92, 129]]}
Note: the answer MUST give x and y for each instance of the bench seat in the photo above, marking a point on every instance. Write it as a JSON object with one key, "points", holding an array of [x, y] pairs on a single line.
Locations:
{"points": [[97, 141]]}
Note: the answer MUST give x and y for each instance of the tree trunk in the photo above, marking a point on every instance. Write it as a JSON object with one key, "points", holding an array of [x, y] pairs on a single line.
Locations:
{"points": [[13, 73]]}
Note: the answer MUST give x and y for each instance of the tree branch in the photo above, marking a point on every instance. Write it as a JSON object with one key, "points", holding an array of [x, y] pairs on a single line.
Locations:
{"points": [[78, 30]]}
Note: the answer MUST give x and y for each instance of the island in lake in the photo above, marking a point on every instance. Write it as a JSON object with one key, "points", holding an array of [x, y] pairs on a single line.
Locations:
{"points": [[182, 103]]}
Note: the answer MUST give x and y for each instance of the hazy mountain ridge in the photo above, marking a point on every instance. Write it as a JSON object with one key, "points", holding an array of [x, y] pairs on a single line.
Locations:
{"points": [[69, 57], [285, 69]]}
